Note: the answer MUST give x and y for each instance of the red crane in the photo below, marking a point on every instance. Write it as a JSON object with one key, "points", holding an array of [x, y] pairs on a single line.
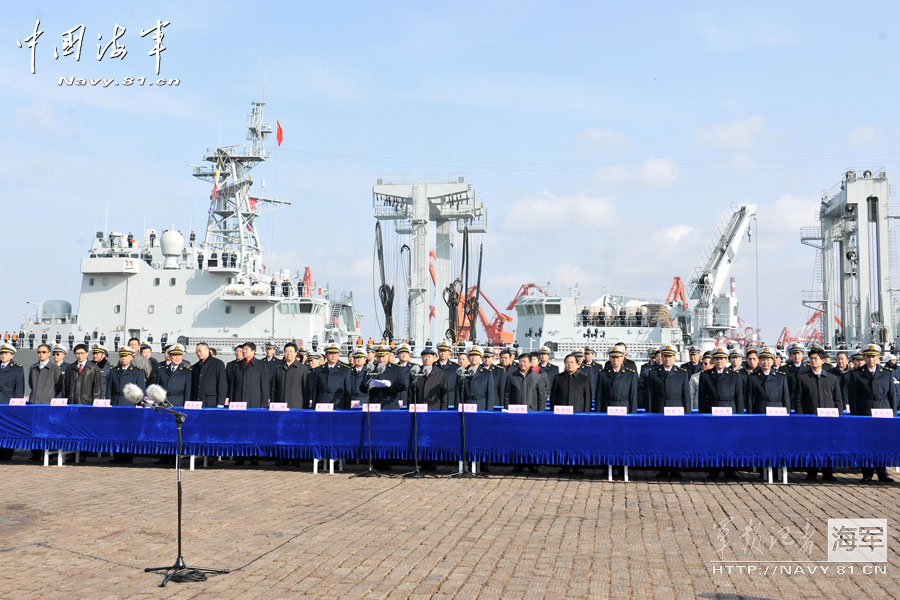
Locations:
{"points": [[523, 291], [676, 293], [493, 327]]}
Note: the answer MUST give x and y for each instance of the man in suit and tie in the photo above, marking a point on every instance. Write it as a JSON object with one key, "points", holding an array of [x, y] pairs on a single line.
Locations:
{"points": [[82, 380], [429, 386], [817, 388]]}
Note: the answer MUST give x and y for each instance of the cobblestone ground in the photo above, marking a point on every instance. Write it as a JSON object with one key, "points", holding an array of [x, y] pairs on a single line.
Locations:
{"points": [[87, 531]]}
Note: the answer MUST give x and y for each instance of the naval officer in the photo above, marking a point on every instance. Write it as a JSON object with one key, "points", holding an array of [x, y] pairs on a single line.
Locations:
{"points": [[12, 383], [872, 386]]}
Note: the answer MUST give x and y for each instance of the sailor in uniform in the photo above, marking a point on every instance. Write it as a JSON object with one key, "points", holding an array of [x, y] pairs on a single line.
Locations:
{"points": [[12, 383], [793, 368], [450, 368], [58, 353], [358, 374], [617, 385], [768, 385], [119, 376], [721, 387], [270, 361], [176, 377], [476, 385], [693, 365], [330, 383], [668, 385], [405, 366], [872, 386], [384, 386], [99, 354]]}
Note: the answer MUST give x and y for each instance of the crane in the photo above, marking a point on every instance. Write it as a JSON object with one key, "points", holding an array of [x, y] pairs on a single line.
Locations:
{"points": [[493, 327], [716, 313], [524, 289]]}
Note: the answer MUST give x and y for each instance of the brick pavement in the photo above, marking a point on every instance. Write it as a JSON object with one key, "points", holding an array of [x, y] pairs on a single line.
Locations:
{"points": [[87, 531]]}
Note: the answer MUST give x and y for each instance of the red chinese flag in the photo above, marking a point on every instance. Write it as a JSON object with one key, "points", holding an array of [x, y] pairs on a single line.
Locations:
{"points": [[279, 134]]}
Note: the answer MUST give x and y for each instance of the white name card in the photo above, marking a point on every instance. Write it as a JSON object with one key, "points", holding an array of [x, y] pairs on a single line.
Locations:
{"points": [[721, 411], [354, 404], [876, 412], [846, 408], [193, 405], [59, 401], [563, 410], [776, 411], [374, 407], [278, 406], [617, 410], [101, 402], [828, 412], [517, 409], [323, 407], [466, 408], [417, 408], [17, 401], [237, 406], [673, 411]]}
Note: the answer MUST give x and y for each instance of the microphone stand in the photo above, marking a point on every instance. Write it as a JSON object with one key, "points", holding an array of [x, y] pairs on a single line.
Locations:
{"points": [[179, 571], [466, 472], [371, 472], [416, 473]]}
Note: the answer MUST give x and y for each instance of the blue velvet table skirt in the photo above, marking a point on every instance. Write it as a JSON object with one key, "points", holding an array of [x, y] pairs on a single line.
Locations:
{"points": [[649, 440]]}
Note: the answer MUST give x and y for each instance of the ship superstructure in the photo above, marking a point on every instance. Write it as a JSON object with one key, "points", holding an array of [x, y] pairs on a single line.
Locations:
{"points": [[214, 287]]}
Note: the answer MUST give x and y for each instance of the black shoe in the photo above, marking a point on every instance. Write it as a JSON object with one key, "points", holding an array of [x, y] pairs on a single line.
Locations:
{"points": [[532, 469], [577, 472], [516, 469], [811, 476], [713, 475], [239, 462], [675, 474], [829, 477], [867, 478], [883, 477], [662, 475], [565, 471]]}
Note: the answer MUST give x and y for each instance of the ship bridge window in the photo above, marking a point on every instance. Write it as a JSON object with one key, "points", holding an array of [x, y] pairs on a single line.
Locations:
{"points": [[252, 310], [179, 309], [539, 309], [172, 282], [227, 309], [552, 309], [529, 310], [90, 281], [105, 281], [117, 308], [156, 281], [305, 309], [151, 309], [520, 310]]}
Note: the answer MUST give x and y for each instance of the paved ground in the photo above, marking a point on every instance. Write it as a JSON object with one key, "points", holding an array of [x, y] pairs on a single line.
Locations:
{"points": [[87, 531]]}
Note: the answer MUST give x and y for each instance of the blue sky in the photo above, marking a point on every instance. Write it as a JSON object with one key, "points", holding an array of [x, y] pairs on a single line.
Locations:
{"points": [[605, 139]]}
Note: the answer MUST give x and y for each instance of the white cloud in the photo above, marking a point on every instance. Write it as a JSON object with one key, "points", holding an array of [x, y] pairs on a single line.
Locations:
{"points": [[672, 235], [863, 136], [737, 134], [604, 140], [659, 171], [550, 211], [569, 274], [789, 214]]}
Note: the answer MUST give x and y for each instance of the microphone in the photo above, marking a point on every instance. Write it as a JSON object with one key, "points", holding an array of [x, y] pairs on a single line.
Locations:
{"points": [[157, 394], [415, 371], [133, 394], [426, 371], [380, 368]]}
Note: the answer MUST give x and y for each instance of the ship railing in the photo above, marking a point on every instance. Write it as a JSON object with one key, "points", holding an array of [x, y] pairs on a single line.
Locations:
{"points": [[600, 320]]}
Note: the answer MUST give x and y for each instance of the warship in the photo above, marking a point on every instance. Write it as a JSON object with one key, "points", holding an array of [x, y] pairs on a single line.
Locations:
{"points": [[216, 288]]}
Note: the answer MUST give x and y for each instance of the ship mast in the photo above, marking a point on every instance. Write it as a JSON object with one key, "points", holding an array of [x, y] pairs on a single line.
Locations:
{"points": [[233, 210]]}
